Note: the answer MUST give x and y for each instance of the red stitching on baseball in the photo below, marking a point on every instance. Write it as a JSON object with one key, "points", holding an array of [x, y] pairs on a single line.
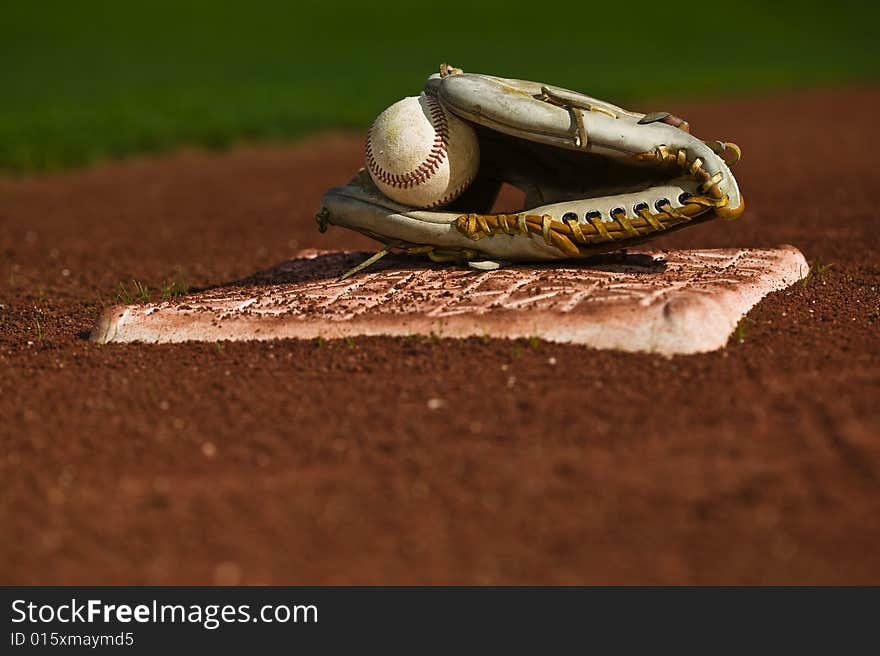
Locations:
{"points": [[427, 168], [452, 195]]}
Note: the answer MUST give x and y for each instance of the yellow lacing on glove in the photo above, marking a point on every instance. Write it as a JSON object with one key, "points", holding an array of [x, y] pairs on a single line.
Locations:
{"points": [[448, 69], [708, 184], [727, 151], [569, 234]]}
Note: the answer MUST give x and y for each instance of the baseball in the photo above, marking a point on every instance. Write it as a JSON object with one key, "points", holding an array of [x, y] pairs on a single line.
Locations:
{"points": [[421, 155]]}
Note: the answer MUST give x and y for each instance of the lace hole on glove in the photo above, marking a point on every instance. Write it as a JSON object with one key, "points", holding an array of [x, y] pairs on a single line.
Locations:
{"points": [[592, 215], [617, 210], [639, 207], [660, 203], [569, 216], [684, 197]]}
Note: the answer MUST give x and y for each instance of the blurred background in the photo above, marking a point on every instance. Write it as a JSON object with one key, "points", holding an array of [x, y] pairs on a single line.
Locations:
{"points": [[92, 79]]}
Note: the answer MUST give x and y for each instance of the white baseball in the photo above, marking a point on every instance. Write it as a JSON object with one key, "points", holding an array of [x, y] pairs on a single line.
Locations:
{"points": [[421, 155]]}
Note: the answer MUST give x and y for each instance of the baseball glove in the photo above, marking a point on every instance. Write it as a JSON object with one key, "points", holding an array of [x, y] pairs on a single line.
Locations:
{"points": [[596, 178]]}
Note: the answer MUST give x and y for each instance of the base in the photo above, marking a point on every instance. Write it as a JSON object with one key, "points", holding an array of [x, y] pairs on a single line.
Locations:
{"points": [[669, 302]]}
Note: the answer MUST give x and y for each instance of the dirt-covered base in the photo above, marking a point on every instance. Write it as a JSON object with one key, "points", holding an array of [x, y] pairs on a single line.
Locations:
{"points": [[436, 461]]}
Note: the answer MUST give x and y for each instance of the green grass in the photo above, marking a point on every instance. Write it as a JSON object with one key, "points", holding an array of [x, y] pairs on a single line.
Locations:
{"points": [[741, 332], [175, 287], [816, 272], [90, 79], [139, 293]]}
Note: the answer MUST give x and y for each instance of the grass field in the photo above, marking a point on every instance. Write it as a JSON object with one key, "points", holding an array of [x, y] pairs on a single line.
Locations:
{"points": [[90, 79]]}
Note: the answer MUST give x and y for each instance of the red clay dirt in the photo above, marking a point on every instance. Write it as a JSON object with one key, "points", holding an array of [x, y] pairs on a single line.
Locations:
{"points": [[395, 460]]}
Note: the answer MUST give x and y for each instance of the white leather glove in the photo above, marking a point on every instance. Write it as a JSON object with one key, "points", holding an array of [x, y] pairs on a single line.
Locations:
{"points": [[596, 178]]}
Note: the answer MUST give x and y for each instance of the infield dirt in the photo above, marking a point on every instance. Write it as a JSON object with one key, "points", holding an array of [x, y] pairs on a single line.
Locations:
{"points": [[394, 461]]}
